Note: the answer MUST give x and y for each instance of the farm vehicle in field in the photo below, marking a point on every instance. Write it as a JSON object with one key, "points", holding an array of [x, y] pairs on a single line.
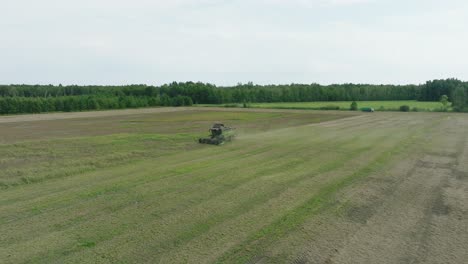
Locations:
{"points": [[367, 109], [218, 135]]}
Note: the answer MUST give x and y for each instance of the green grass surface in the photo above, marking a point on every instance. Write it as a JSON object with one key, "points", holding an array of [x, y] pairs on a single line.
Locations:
{"points": [[345, 105], [131, 196]]}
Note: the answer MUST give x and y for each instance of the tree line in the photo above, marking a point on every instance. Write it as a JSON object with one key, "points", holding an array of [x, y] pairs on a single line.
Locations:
{"points": [[204, 93], [75, 103], [49, 98]]}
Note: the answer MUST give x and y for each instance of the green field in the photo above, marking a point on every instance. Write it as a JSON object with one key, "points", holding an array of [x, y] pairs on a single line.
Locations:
{"points": [[345, 105], [294, 187]]}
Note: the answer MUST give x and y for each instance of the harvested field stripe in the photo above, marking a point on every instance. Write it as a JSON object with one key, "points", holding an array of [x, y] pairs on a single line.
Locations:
{"points": [[206, 224], [336, 162], [254, 245], [323, 169]]}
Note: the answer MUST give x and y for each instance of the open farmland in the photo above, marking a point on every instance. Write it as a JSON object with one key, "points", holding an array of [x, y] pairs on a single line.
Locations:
{"points": [[345, 105], [133, 186]]}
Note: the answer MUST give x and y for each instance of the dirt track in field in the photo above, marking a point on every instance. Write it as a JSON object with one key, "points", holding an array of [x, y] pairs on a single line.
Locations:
{"points": [[396, 192], [91, 114], [130, 112], [416, 212], [423, 215]]}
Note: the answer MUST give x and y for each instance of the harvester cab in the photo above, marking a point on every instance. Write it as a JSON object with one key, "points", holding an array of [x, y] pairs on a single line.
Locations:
{"points": [[218, 135]]}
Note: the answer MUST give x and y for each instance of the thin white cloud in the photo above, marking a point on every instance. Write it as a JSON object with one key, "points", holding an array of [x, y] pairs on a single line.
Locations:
{"points": [[318, 3]]}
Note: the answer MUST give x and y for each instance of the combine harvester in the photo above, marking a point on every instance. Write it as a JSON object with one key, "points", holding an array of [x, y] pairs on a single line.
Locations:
{"points": [[218, 135]]}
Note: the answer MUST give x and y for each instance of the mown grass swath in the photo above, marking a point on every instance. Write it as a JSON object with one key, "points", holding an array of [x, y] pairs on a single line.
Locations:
{"points": [[149, 194]]}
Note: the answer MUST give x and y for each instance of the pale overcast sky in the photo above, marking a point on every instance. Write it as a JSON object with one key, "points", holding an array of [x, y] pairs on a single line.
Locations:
{"points": [[226, 42]]}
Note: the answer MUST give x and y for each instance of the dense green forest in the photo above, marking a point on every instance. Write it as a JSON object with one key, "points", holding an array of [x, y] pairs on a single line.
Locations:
{"points": [[48, 98]]}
